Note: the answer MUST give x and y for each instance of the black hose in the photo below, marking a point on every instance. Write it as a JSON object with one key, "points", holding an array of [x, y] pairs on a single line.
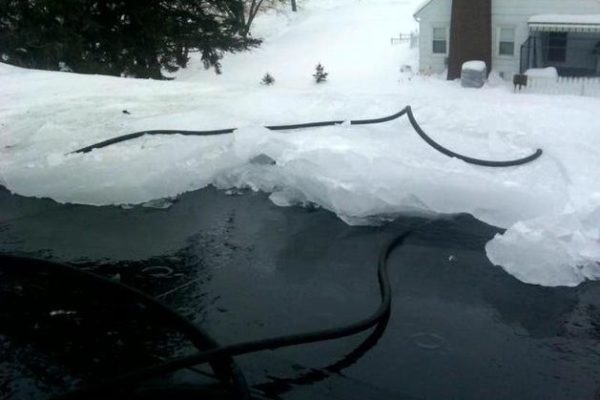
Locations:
{"points": [[380, 314], [380, 120], [277, 386], [136, 135], [304, 126], [225, 368], [337, 122], [406, 110], [470, 160]]}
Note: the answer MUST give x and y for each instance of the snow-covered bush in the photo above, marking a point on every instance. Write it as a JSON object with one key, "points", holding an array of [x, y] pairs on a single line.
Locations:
{"points": [[62, 66], [320, 75], [267, 80]]}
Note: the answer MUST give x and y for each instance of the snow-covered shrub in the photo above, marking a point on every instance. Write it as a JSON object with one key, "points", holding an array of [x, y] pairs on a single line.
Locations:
{"points": [[320, 75], [267, 80], [62, 66]]}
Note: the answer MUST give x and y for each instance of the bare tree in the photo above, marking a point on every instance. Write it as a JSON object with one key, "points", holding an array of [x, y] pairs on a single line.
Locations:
{"points": [[251, 8]]}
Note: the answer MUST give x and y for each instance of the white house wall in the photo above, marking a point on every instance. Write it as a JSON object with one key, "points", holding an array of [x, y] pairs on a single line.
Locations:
{"points": [[435, 14], [505, 13], [516, 13]]}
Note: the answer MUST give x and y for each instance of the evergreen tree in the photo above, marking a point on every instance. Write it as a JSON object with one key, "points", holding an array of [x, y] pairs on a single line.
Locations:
{"points": [[320, 75], [267, 80], [119, 37]]}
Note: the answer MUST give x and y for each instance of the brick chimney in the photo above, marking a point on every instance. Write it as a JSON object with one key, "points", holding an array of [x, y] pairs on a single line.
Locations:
{"points": [[470, 34]]}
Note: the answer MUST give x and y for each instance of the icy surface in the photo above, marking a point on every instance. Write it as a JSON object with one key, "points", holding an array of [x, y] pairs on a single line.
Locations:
{"points": [[569, 244], [365, 174]]}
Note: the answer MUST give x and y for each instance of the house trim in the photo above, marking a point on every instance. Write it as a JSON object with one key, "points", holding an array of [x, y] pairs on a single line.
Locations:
{"points": [[421, 8], [563, 27]]}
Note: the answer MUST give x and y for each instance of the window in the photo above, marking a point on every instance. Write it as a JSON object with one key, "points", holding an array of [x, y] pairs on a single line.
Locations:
{"points": [[506, 43], [557, 46], [440, 40]]}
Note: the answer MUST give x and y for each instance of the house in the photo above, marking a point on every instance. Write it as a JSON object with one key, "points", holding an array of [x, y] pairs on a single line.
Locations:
{"points": [[511, 36]]}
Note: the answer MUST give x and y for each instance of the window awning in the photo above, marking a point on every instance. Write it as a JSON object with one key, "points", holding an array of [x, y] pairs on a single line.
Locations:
{"points": [[565, 23]]}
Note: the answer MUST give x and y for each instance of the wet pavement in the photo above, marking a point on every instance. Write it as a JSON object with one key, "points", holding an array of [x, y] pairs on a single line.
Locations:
{"points": [[243, 268]]}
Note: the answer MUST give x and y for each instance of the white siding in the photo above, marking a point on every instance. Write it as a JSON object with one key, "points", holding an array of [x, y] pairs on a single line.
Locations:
{"points": [[517, 12], [435, 15], [506, 13]]}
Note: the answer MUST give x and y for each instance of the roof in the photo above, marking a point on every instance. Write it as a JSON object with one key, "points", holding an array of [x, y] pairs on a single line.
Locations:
{"points": [[565, 22], [566, 18], [421, 6]]}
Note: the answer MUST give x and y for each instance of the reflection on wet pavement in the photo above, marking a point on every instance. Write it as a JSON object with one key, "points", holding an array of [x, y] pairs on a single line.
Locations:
{"points": [[243, 269]]}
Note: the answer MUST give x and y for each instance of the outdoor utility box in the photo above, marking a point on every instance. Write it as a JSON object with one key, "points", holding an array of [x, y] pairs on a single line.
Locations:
{"points": [[473, 74]]}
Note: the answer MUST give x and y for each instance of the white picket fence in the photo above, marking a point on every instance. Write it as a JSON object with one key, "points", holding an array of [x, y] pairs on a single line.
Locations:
{"points": [[564, 85], [412, 38]]}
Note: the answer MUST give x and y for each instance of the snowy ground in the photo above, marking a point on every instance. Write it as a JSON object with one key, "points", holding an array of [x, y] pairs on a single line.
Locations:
{"points": [[551, 208]]}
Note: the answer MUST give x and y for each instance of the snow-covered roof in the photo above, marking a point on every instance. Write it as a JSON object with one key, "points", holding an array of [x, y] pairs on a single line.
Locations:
{"points": [[421, 6], [565, 22]]}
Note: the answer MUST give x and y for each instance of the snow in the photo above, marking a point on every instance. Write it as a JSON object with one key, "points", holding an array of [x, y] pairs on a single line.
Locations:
{"points": [[365, 174], [478, 66], [549, 73], [585, 19]]}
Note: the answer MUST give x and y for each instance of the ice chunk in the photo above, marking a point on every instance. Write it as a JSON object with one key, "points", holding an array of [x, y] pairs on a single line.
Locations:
{"points": [[248, 141], [160, 204], [563, 250], [262, 159]]}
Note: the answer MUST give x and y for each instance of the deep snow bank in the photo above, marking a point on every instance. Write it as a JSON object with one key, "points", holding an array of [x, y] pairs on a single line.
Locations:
{"points": [[362, 173]]}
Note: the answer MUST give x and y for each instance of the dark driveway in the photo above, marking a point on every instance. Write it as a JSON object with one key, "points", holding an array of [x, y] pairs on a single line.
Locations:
{"points": [[243, 268]]}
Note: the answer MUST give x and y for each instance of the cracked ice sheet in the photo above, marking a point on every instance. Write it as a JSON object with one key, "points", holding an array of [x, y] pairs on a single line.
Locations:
{"points": [[551, 208], [558, 250], [362, 173]]}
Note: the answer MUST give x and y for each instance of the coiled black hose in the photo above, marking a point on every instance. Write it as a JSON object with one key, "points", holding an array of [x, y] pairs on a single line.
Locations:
{"points": [[378, 316], [224, 367], [470, 160], [407, 110]]}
